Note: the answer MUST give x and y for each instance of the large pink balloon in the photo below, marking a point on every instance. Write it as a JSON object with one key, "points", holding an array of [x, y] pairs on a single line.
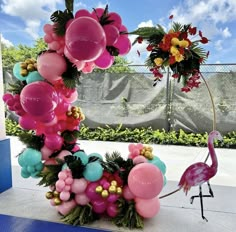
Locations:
{"points": [[27, 122], [116, 19], [53, 142], [147, 208], [38, 98], [51, 66], [85, 39], [104, 61], [145, 180], [123, 44], [112, 34]]}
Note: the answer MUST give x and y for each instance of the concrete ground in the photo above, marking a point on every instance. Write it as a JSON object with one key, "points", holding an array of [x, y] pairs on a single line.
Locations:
{"points": [[26, 199]]}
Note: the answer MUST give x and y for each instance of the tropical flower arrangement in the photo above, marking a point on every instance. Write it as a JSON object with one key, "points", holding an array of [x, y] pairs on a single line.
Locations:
{"points": [[178, 49]]}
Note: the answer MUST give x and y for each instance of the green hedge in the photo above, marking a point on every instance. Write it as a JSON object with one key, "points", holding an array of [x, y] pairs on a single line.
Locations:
{"points": [[143, 135]]}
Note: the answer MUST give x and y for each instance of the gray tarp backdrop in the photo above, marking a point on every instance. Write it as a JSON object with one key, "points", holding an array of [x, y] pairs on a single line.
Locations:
{"points": [[131, 100]]}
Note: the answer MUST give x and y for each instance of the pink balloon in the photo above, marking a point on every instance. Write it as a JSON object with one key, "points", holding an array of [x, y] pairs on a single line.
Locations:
{"points": [[99, 206], [48, 28], [53, 142], [91, 191], [48, 38], [48, 118], [104, 61], [85, 39], [81, 199], [38, 98], [123, 44], [112, 34], [46, 152], [66, 207], [72, 97], [147, 208], [79, 65], [124, 29], [117, 21], [127, 194], [145, 180], [112, 210], [64, 196], [63, 153], [81, 13], [27, 122], [60, 184], [79, 185], [51, 66], [139, 159], [97, 13], [88, 67]]}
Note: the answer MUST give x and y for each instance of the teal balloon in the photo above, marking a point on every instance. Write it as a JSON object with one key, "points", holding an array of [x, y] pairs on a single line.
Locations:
{"points": [[35, 174], [96, 155], [32, 156], [31, 169], [34, 76], [158, 163], [25, 173], [39, 166], [165, 181], [93, 171], [64, 166], [16, 72], [21, 160], [83, 156]]}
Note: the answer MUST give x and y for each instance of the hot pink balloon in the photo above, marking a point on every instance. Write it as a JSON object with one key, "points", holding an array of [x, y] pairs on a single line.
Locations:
{"points": [[72, 97], [53, 142], [66, 207], [123, 44], [99, 206], [97, 13], [51, 66], [91, 191], [124, 29], [112, 34], [112, 210], [48, 118], [27, 122], [127, 194], [145, 180], [117, 21], [147, 208], [81, 199], [48, 28], [81, 13], [38, 98], [105, 60], [85, 39]]}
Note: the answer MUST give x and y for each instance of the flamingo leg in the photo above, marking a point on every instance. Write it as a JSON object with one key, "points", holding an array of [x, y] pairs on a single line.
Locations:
{"points": [[201, 202], [210, 189]]}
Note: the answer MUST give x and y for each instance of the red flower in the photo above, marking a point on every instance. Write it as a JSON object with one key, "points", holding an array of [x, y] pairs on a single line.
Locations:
{"points": [[204, 40], [171, 16], [185, 89], [192, 30], [140, 39], [172, 60], [200, 60], [175, 75], [184, 35], [149, 47]]}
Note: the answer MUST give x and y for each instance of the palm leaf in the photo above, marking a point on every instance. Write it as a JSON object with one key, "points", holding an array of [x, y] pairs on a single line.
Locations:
{"points": [[69, 5]]}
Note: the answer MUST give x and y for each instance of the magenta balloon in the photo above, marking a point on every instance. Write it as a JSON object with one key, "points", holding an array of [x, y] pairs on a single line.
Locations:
{"points": [[112, 210], [123, 44], [123, 28], [112, 34], [38, 98], [85, 39], [51, 66], [81, 13], [91, 192], [53, 142], [47, 118], [97, 13], [99, 206], [145, 180], [27, 122], [104, 61], [147, 208], [117, 21]]}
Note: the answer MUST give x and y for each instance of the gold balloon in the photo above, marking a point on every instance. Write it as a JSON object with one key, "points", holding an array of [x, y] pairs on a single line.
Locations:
{"points": [[119, 190], [114, 182], [99, 189], [49, 195], [104, 194], [112, 189], [56, 194], [57, 201]]}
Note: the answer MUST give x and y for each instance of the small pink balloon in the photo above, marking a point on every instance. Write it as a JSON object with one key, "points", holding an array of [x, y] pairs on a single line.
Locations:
{"points": [[123, 44], [116, 19], [127, 194], [112, 210], [60, 184], [46, 152], [112, 34], [79, 64], [51, 66], [38, 98], [27, 122], [139, 159], [147, 208], [85, 39], [81, 199], [88, 67], [62, 175], [76, 148], [112, 197], [72, 97], [63, 153], [67, 188], [79, 185], [69, 180], [66, 207], [105, 60], [48, 38], [145, 180], [48, 28], [53, 142], [123, 29], [99, 206], [140, 146], [97, 13], [64, 196], [49, 118], [81, 13]]}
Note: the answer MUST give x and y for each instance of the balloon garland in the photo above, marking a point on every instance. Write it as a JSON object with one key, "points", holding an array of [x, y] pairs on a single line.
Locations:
{"points": [[85, 187]]}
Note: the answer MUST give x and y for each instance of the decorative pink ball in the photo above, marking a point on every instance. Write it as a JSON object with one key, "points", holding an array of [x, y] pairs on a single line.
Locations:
{"points": [[64, 196], [112, 210], [147, 208], [81, 199], [66, 207], [139, 159], [63, 153], [79, 185], [53, 142], [27, 122], [38, 98], [145, 180], [46, 152], [99, 206], [85, 39], [127, 194]]}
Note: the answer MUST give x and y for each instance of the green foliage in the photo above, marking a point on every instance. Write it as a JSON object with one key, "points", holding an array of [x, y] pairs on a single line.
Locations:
{"points": [[138, 135], [31, 140]]}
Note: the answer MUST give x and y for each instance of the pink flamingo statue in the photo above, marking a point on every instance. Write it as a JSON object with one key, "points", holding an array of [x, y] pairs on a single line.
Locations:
{"points": [[199, 173]]}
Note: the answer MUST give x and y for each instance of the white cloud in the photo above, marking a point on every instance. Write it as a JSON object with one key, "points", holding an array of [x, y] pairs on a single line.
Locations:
{"points": [[6, 42], [101, 5], [31, 12], [148, 23], [218, 45], [226, 33], [218, 62]]}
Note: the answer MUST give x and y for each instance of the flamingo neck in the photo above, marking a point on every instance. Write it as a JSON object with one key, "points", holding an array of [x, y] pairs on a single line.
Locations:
{"points": [[212, 153]]}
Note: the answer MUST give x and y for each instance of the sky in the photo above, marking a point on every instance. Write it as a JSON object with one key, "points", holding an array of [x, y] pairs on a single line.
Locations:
{"points": [[21, 21]]}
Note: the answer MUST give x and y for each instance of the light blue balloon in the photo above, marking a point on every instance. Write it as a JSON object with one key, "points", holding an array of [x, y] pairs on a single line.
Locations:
{"points": [[31, 169], [39, 166], [16, 72], [83, 156], [34, 76], [158, 163], [64, 166], [32, 156], [164, 181], [93, 171], [35, 174], [96, 155], [25, 173], [21, 160]]}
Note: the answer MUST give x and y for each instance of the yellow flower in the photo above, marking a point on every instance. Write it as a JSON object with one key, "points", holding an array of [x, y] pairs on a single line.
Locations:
{"points": [[184, 43], [174, 51], [175, 41], [179, 57], [158, 61]]}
